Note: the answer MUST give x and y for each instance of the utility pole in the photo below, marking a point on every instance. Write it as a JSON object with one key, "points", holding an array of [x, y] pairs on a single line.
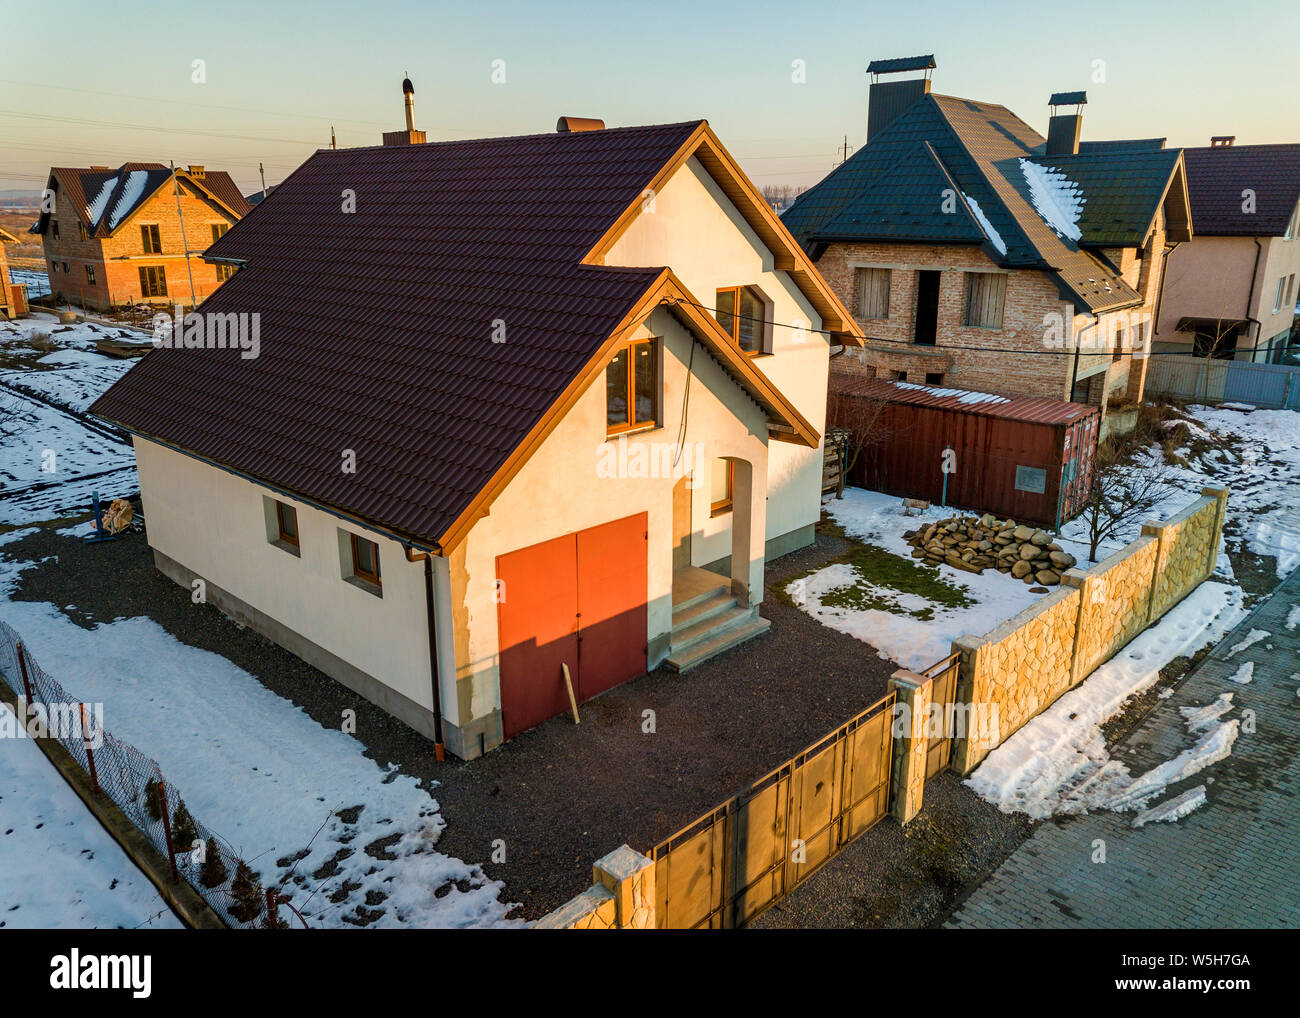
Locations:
{"points": [[176, 183], [845, 150], [262, 173]]}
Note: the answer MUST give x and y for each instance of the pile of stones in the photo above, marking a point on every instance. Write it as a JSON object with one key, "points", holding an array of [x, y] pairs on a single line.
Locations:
{"points": [[976, 543]]}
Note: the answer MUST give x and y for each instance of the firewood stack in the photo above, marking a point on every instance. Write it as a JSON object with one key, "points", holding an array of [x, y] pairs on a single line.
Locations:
{"points": [[976, 543]]}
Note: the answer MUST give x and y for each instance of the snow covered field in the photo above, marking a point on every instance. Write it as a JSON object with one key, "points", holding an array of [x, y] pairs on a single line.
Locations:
{"points": [[264, 775], [59, 869], [51, 461], [899, 634]]}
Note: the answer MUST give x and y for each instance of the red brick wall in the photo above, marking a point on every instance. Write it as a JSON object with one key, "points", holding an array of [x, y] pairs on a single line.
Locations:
{"points": [[117, 259]]}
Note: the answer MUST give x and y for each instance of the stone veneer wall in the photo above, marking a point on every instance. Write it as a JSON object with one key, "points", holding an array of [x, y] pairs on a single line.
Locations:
{"points": [[1016, 671]]}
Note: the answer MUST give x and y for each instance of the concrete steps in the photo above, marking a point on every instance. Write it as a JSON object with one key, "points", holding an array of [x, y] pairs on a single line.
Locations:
{"points": [[709, 624]]}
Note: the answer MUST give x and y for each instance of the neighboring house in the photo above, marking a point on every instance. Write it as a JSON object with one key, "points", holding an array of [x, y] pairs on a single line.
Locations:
{"points": [[13, 296], [123, 236], [973, 251], [494, 422], [1232, 291]]}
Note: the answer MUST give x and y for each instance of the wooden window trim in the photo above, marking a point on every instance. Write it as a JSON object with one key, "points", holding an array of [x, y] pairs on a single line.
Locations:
{"points": [[285, 536], [357, 571], [971, 282], [632, 424], [765, 323], [724, 506]]}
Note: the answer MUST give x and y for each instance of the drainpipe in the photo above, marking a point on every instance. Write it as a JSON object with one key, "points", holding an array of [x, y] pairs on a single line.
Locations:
{"points": [[1078, 344], [1250, 297], [439, 751], [1160, 290]]}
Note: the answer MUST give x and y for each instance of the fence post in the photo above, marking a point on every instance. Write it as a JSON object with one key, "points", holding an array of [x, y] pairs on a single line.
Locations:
{"points": [[22, 667], [630, 877], [167, 828], [914, 694], [90, 753]]}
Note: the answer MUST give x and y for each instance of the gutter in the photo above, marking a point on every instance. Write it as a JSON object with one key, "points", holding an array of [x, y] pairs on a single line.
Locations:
{"points": [[439, 750]]}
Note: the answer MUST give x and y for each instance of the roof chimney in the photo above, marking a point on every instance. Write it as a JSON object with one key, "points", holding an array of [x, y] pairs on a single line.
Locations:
{"points": [[410, 136], [1222, 140], [197, 172], [890, 99], [1063, 128], [567, 124]]}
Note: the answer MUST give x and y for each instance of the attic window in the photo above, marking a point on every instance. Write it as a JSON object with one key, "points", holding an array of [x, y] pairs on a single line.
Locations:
{"points": [[219, 230], [745, 314], [81, 230], [632, 388], [150, 239], [54, 228]]}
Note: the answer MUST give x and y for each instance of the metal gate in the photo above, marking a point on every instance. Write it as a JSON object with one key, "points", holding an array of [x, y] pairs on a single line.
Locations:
{"points": [[735, 861], [943, 697]]}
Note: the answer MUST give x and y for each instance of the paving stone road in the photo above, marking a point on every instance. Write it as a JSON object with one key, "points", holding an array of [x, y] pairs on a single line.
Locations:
{"points": [[1234, 862]]}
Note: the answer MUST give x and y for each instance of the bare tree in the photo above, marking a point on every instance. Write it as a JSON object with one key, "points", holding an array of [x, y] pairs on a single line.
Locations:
{"points": [[863, 421], [1122, 486]]}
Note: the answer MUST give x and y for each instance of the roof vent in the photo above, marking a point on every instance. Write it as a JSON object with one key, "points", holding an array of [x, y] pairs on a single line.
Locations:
{"points": [[410, 136], [1222, 140], [567, 125], [889, 99], [1063, 129]]}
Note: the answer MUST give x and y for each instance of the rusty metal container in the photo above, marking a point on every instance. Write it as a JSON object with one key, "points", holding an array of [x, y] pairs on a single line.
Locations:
{"points": [[1028, 458]]}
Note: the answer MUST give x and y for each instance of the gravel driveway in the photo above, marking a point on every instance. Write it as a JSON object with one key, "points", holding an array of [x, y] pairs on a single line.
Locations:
{"points": [[557, 797]]}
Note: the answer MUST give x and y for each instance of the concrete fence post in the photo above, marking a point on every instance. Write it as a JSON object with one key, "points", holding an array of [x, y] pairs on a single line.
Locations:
{"points": [[913, 696], [1220, 495], [630, 877], [972, 690]]}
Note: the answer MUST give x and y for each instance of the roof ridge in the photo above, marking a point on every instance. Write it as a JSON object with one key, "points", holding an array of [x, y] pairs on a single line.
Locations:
{"points": [[604, 131]]}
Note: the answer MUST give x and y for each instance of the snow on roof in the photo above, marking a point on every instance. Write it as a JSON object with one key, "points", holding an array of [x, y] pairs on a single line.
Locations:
{"points": [[995, 238], [132, 192], [95, 210], [1056, 198], [961, 395]]}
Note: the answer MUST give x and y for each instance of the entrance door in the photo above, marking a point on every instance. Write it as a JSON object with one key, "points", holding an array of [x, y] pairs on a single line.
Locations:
{"points": [[578, 600], [927, 307], [681, 525]]}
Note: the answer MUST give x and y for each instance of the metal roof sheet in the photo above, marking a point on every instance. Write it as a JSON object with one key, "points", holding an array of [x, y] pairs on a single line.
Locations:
{"points": [[1016, 408]]}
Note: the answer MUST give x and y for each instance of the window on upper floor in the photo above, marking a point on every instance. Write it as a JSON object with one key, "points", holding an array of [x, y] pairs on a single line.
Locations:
{"points": [[90, 274], [873, 293], [1280, 300], [1118, 352], [54, 228], [934, 378], [219, 230], [151, 240], [745, 314], [1292, 224], [82, 232], [632, 386], [224, 272], [986, 294]]}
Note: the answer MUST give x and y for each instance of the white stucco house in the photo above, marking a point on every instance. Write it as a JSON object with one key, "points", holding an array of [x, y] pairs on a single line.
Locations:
{"points": [[532, 403]]}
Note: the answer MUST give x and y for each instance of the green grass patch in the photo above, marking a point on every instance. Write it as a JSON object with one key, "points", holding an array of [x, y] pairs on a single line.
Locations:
{"points": [[879, 576]]}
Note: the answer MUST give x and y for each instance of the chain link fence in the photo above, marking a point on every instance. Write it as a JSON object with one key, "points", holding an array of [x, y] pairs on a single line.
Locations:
{"points": [[136, 784]]}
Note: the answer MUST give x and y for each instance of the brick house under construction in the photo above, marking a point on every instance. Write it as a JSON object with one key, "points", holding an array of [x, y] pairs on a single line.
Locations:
{"points": [[976, 254], [122, 236]]}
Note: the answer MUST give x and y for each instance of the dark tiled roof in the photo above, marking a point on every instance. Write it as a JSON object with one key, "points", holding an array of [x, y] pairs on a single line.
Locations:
{"points": [[889, 190], [1123, 188], [376, 326], [1216, 178], [222, 187], [1121, 145]]}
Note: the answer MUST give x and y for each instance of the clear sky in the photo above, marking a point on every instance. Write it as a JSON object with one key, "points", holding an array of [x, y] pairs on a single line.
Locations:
{"points": [[116, 81]]}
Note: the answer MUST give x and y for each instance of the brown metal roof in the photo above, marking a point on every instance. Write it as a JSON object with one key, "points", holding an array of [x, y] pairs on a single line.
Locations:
{"points": [[377, 325], [1015, 408], [1219, 178]]}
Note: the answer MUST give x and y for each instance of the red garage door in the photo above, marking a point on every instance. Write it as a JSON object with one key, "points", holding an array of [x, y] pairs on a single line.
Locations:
{"points": [[578, 600]]}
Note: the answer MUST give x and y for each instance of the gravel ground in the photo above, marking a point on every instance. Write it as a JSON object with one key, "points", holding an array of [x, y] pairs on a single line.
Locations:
{"points": [[896, 877], [558, 797]]}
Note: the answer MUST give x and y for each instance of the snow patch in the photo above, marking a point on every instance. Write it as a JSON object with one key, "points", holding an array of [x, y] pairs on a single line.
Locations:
{"points": [[995, 238], [1173, 809], [1252, 638], [961, 395], [1055, 197], [1244, 674], [131, 193]]}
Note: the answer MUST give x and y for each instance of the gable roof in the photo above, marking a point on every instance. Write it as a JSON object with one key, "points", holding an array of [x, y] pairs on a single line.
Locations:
{"points": [[104, 199], [376, 327], [1021, 206], [1218, 176]]}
